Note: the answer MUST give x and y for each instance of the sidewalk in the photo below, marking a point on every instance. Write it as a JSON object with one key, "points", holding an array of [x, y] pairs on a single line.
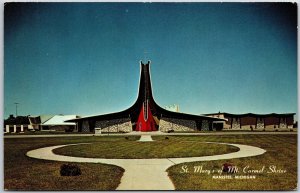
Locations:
{"points": [[145, 174]]}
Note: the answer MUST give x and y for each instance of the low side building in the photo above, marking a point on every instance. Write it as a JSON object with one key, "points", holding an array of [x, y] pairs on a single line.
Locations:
{"points": [[57, 123], [251, 121], [16, 124], [37, 121], [52, 122]]}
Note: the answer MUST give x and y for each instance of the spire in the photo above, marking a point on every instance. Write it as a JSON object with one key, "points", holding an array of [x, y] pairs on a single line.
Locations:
{"points": [[148, 63], [145, 88], [145, 120]]}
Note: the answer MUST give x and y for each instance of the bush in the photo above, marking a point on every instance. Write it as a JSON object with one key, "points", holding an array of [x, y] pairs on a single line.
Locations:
{"points": [[70, 170], [228, 168]]}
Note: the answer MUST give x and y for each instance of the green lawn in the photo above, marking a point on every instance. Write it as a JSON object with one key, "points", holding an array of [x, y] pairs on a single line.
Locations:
{"points": [[24, 173], [133, 149], [281, 153]]}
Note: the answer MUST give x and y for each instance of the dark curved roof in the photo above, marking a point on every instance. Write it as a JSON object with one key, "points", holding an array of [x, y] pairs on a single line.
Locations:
{"points": [[255, 115], [145, 92]]}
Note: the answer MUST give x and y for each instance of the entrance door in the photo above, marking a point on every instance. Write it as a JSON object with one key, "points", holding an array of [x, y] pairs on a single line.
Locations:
{"points": [[145, 122]]}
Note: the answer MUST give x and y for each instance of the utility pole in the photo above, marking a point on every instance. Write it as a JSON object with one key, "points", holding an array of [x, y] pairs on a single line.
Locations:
{"points": [[16, 109]]}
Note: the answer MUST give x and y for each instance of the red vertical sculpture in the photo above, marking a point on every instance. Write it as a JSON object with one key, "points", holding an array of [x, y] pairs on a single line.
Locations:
{"points": [[145, 120]]}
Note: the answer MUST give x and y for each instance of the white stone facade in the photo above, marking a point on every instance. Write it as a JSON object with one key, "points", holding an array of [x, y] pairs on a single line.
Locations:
{"points": [[85, 126], [282, 123], [167, 124], [205, 125], [260, 124], [115, 125], [236, 123]]}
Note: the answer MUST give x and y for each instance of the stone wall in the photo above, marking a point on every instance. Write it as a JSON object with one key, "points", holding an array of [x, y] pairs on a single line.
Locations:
{"points": [[247, 127], [166, 124], [205, 125], [260, 124], [282, 123], [236, 123], [226, 126], [85, 126], [278, 128], [115, 125]]}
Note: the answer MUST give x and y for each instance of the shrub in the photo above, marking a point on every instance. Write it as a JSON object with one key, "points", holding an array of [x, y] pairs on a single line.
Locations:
{"points": [[70, 170], [228, 168]]}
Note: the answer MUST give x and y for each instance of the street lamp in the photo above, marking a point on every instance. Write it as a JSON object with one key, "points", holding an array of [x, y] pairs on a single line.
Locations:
{"points": [[16, 109]]}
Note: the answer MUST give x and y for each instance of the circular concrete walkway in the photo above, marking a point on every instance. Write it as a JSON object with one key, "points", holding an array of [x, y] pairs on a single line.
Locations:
{"points": [[145, 174]]}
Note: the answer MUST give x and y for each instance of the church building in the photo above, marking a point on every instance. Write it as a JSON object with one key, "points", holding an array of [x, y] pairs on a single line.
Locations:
{"points": [[145, 115]]}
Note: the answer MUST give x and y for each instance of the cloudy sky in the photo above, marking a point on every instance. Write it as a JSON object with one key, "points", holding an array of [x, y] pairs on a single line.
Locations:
{"points": [[83, 58]]}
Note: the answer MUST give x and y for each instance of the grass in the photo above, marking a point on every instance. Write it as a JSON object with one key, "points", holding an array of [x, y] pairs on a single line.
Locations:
{"points": [[281, 152], [133, 149], [24, 173]]}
